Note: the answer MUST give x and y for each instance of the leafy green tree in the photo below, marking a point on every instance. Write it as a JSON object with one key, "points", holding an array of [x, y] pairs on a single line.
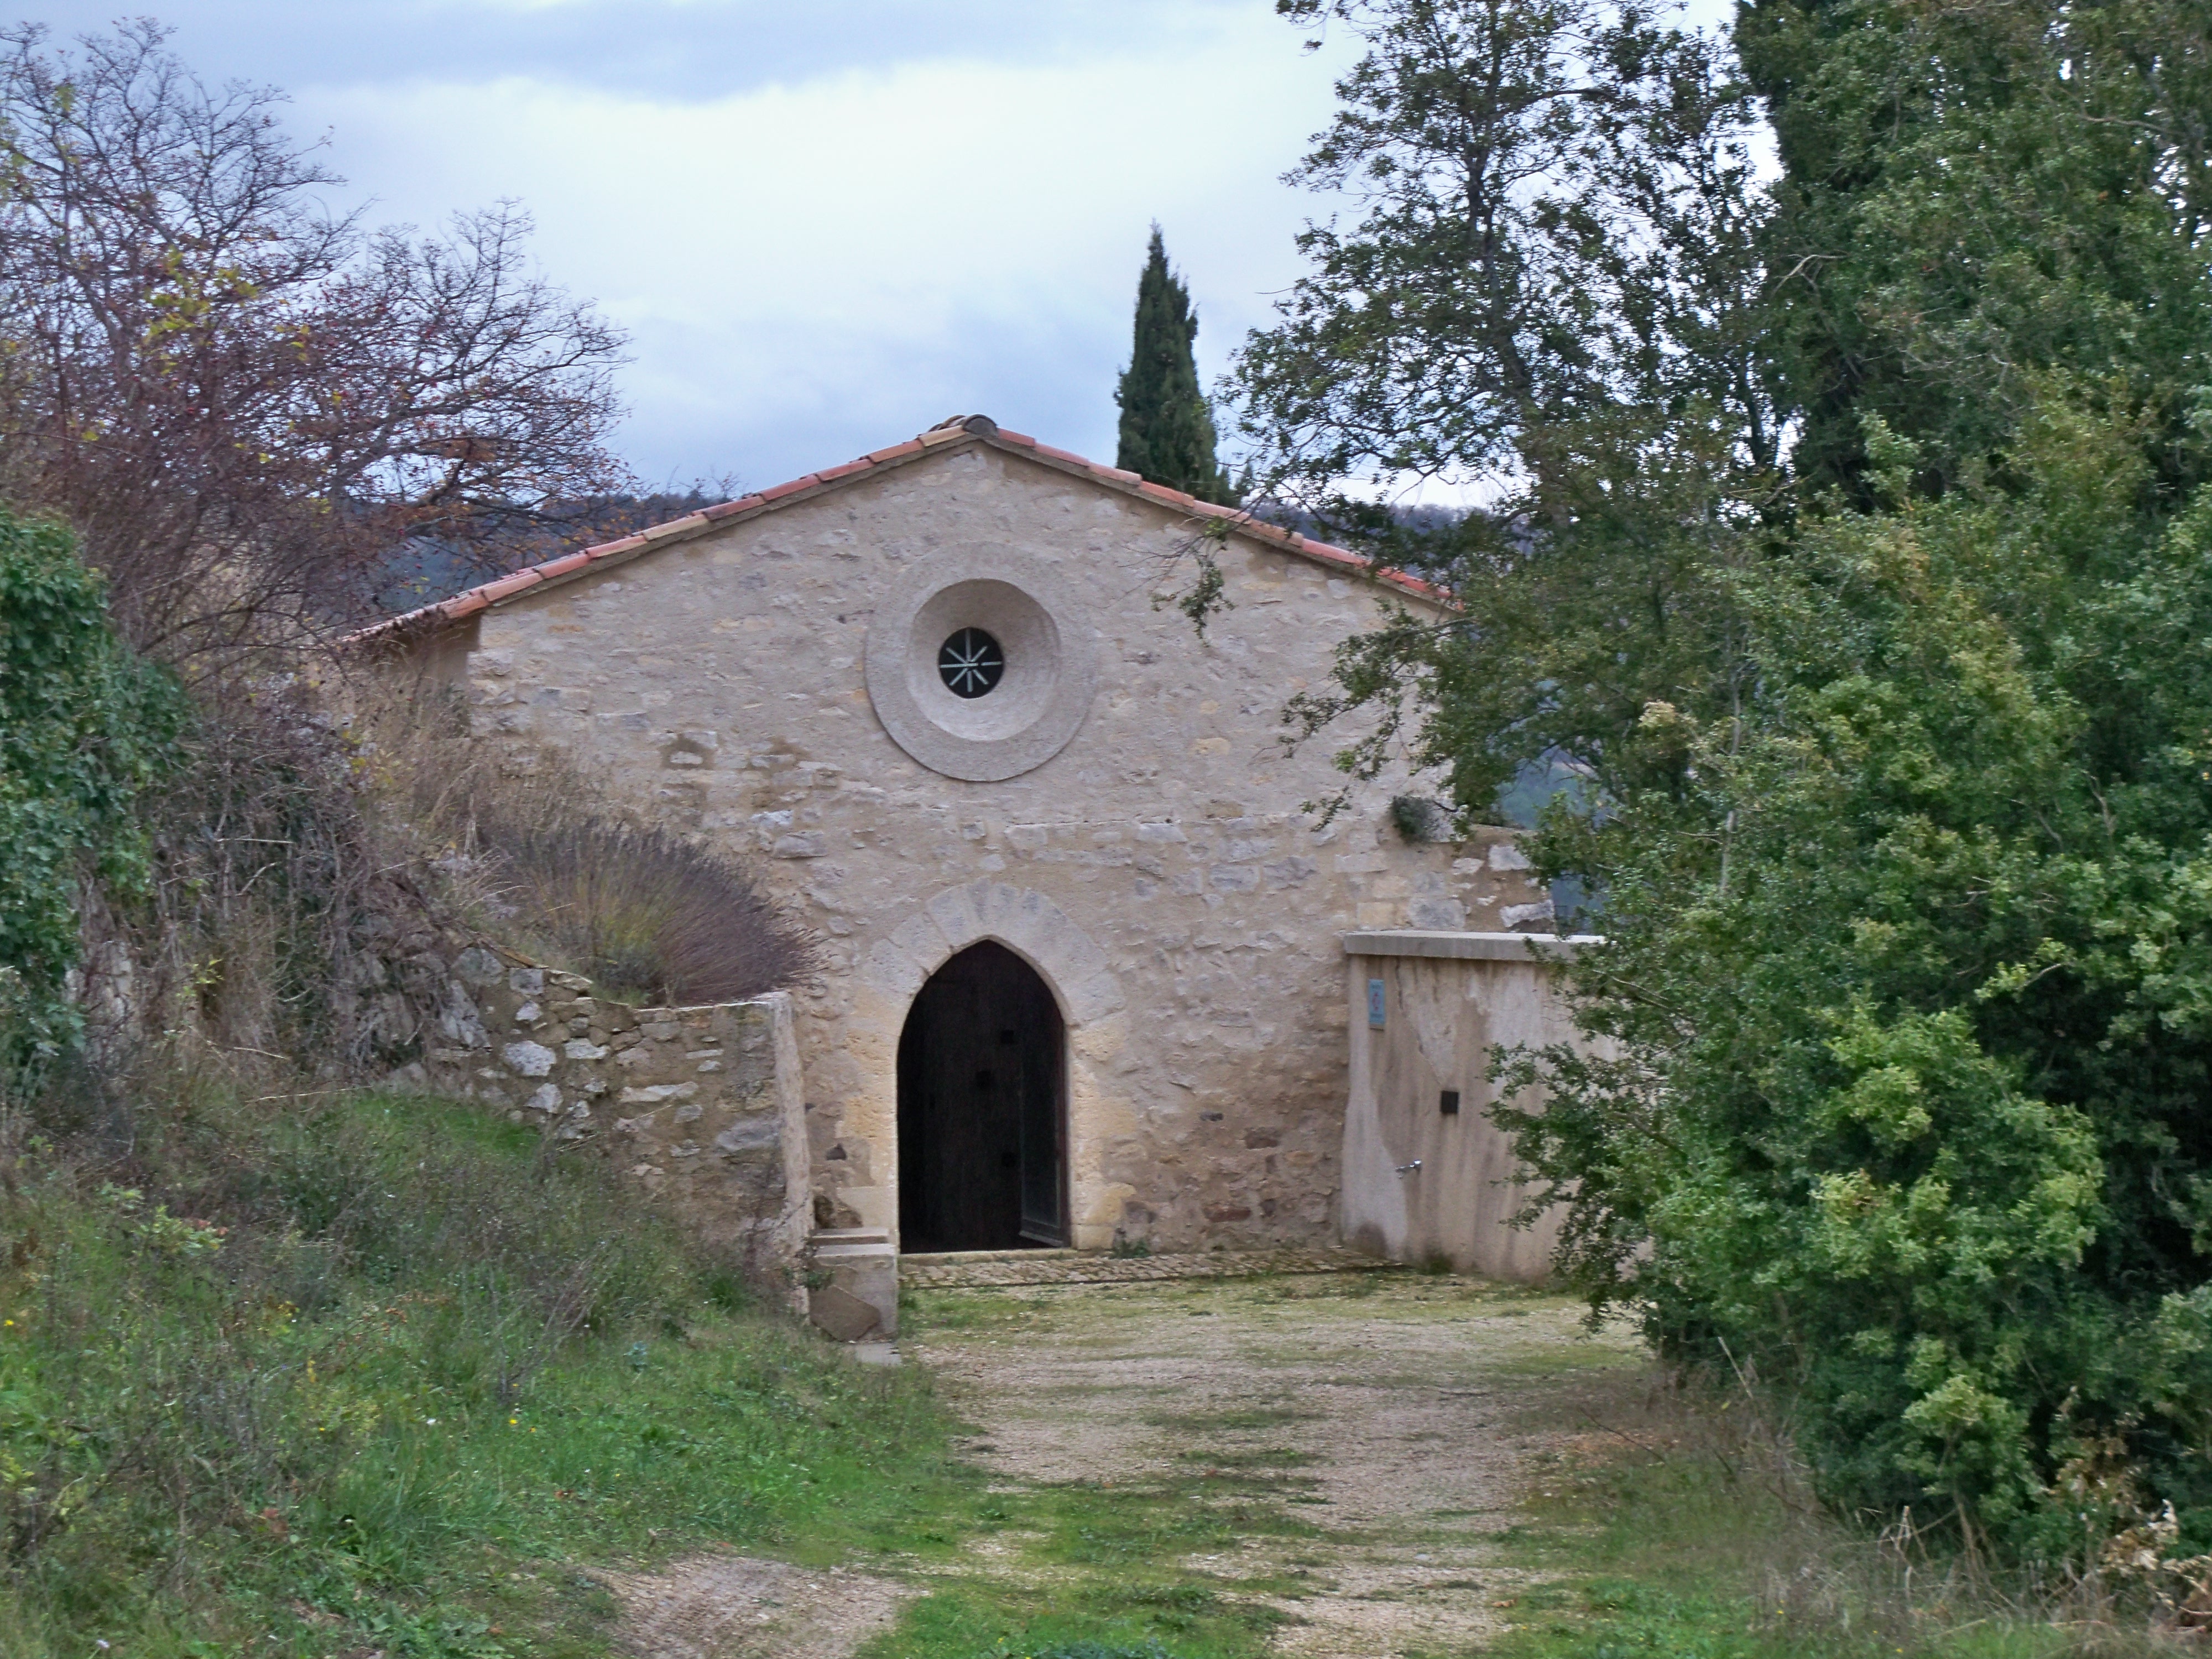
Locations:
{"points": [[1557, 235], [1857, 551], [83, 728], [1901, 1096], [1974, 197], [1552, 296], [1167, 425]]}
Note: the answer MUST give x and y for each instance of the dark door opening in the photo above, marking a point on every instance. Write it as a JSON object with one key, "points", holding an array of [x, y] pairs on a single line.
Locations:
{"points": [[981, 1124]]}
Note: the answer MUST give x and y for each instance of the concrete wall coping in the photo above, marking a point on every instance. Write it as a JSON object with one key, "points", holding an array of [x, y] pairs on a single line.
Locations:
{"points": [[1466, 946]]}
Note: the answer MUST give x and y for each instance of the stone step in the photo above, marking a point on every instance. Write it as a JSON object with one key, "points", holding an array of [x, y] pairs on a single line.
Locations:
{"points": [[970, 1258], [989, 1269]]}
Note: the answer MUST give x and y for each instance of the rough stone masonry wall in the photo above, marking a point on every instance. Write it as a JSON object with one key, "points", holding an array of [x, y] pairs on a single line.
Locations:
{"points": [[699, 1108], [1163, 871]]}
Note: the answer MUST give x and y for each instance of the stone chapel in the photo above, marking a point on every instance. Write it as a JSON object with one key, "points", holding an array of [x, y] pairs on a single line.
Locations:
{"points": [[1084, 974]]}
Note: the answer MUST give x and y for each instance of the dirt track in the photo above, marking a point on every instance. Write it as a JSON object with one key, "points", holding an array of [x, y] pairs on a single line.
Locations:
{"points": [[1401, 1416], [1356, 1442]]}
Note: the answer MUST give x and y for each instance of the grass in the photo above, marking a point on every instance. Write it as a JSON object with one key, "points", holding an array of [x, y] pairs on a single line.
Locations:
{"points": [[382, 1375], [1678, 1523], [372, 1375], [1089, 1564]]}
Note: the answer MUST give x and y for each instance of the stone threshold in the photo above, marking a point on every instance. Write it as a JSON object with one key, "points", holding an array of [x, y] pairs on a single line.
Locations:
{"points": [[985, 1269]]}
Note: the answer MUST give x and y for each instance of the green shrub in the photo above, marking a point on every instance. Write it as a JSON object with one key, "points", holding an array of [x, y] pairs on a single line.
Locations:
{"points": [[1909, 1003]]}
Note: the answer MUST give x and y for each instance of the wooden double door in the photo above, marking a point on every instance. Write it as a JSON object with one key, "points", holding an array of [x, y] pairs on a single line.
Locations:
{"points": [[982, 1117]]}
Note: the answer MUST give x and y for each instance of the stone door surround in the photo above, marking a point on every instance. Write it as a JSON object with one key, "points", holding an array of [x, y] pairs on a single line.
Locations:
{"points": [[1039, 699], [1075, 970], [1023, 919]]}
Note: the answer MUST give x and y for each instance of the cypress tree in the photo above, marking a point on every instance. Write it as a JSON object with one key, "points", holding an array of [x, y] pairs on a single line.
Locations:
{"points": [[1167, 426]]}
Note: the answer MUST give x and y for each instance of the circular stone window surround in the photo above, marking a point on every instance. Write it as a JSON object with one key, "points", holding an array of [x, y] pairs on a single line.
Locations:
{"points": [[1040, 700]]}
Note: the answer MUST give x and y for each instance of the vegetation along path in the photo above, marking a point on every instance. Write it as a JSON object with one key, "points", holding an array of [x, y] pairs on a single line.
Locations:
{"points": [[1315, 1465]]}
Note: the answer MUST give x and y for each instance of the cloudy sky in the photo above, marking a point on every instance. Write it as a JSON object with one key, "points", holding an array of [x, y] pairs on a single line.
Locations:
{"points": [[826, 224]]}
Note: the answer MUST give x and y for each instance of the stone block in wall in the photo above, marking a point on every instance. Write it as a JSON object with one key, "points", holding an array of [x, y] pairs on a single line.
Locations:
{"points": [[853, 1284]]}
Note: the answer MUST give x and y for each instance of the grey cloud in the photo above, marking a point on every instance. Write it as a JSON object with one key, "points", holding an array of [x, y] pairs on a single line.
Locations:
{"points": [[1051, 376], [667, 48], [716, 175]]}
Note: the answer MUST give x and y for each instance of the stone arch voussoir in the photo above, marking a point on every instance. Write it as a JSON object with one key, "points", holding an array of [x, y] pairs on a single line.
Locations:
{"points": [[1023, 919]]}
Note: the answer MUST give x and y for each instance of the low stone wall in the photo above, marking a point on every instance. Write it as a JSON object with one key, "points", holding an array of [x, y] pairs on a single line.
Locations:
{"points": [[1426, 1173], [701, 1108]]}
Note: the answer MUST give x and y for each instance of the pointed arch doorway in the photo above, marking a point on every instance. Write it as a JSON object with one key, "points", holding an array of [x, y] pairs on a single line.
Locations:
{"points": [[983, 1118]]}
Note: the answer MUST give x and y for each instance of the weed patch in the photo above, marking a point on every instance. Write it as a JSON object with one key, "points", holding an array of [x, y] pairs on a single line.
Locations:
{"points": [[385, 1375], [1678, 1523], [1256, 1418], [1098, 1568]]}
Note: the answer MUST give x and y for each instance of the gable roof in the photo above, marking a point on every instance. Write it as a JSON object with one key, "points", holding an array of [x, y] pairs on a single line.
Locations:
{"points": [[962, 431]]}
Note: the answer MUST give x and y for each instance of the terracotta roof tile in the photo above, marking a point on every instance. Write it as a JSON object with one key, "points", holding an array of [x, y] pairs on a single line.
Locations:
{"points": [[971, 428], [508, 587]]}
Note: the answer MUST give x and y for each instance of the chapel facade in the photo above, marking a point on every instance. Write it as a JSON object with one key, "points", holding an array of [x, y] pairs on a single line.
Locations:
{"points": [[1083, 974]]}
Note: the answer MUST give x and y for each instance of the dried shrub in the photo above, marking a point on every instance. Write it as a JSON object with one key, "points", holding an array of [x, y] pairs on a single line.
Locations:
{"points": [[285, 930], [242, 402], [541, 851], [274, 928], [646, 914]]}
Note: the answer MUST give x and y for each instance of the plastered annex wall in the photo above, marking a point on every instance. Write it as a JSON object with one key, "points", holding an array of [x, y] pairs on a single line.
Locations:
{"points": [[1160, 868], [1428, 1011]]}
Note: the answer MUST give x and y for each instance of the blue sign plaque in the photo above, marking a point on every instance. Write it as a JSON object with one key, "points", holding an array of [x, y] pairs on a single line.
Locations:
{"points": [[1375, 1004]]}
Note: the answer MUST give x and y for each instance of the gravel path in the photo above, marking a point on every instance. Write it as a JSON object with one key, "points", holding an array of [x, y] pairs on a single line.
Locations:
{"points": [[1363, 1438], [739, 1607], [1407, 1415]]}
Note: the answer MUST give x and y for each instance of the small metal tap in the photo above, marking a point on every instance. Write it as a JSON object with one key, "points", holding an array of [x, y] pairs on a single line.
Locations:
{"points": [[1408, 1169]]}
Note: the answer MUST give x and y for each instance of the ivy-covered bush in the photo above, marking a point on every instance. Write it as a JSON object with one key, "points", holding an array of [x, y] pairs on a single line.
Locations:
{"points": [[84, 726]]}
